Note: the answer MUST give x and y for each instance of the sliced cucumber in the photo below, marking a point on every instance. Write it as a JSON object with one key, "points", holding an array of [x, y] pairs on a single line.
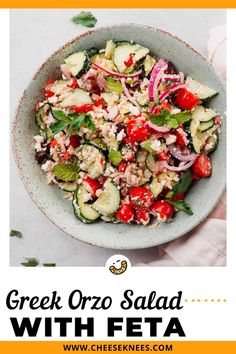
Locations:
{"points": [[48, 133], [156, 187], [142, 98], [140, 52], [86, 209], [75, 98], [92, 51], [152, 163], [39, 118], [59, 86], [200, 90], [110, 98], [195, 138], [77, 210], [109, 200], [97, 58], [141, 156], [78, 213], [93, 160], [211, 143], [206, 125], [68, 186], [123, 52], [203, 114], [148, 64], [110, 47], [78, 63]]}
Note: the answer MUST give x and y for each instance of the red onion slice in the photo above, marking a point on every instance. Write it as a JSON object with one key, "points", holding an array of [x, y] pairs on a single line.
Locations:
{"points": [[157, 71], [164, 164], [126, 92], [163, 129], [101, 82], [115, 74], [176, 153], [167, 92]]}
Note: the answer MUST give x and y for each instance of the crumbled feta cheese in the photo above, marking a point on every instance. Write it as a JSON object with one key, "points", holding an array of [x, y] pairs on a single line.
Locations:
{"points": [[170, 139], [47, 166], [120, 136]]}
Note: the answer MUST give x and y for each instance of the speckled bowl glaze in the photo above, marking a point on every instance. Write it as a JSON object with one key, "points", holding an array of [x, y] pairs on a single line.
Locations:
{"points": [[203, 196]]}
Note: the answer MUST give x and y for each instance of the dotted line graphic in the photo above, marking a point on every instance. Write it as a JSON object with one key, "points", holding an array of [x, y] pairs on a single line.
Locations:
{"points": [[205, 300]]}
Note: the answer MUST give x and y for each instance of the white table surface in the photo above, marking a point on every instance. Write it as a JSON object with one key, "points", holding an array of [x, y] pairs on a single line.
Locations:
{"points": [[35, 34]]}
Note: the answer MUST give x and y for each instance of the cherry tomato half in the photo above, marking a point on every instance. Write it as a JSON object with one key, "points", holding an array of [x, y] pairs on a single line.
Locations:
{"points": [[142, 216], [122, 167], [202, 166], [163, 210], [129, 61], [74, 84], [181, 139], [98, 101], [186, 99], [164, 105], [85, 108], [92, 185], [125, 213], [137, 130], [140, 197], [163, 156], [74, 141]]}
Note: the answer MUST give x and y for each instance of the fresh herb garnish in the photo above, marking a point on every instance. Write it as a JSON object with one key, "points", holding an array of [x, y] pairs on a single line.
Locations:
{"points": [[182, 185], [84, 18], [68, 172], [15, 233], [49, 264], [181, 205], [113, 84], [172, 120], [31, 262], [72, 121], [115, 157]]}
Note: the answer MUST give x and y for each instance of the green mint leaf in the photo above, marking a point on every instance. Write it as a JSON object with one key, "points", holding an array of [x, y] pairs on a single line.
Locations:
{"points": [[181, 205], [115, 157], [58, 127], [173, 123], [68, 172], [182, 117], [147, 145], [161, 118], [84, 18], [15, 233], [113, 84], [31, 262], [182, 186], [69, 132], [78, 121], [89, 122], [60, 115], [49, 264]]}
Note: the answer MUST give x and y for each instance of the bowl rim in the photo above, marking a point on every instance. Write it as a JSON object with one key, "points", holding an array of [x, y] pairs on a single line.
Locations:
{"points": [[17, 114]]}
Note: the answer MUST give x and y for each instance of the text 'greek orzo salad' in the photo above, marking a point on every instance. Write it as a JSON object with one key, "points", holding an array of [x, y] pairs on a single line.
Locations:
{"points": [[125, 134]]}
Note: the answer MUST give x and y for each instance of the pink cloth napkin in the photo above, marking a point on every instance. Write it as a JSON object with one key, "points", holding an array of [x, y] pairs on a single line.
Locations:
{"points": [[206, 244]]}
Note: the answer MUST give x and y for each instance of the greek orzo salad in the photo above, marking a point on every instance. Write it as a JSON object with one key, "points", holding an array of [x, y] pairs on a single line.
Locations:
{"points": [[125, 134]]}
